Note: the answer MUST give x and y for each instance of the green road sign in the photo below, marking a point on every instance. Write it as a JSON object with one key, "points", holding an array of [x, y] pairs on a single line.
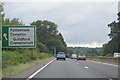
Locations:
{"points": [[18, 36], [53, 49]]}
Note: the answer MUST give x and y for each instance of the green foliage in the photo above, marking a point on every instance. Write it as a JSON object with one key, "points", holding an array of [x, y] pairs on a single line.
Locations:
{"points": [[104, 60], [42, 47], [14, 21], [1, 7], [1, 10], [15, 69], [85, 50], [27, 55], [114, 44], [105, 49], [48, 35], [70, 51], [114, 30], [108, 55]]}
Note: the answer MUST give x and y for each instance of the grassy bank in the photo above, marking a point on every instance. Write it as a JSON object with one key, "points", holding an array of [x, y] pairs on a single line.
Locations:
{"points": [[0, 73], [110, 61], [14, 69], [21, 56], [17, 60]]}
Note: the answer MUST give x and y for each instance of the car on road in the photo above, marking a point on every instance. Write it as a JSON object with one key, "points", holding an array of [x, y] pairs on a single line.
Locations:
{"points": [[116, 55], [61, 55], [81, 57], [74, 56], [67, 56]]}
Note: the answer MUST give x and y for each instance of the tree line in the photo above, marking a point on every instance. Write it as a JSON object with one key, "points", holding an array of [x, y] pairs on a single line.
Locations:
{"points": [[114, 44], [86, 50], [49, 36]]}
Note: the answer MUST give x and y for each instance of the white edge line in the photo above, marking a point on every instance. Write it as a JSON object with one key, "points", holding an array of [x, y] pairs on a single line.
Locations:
{"points": [[103, 63], [35, 73]]}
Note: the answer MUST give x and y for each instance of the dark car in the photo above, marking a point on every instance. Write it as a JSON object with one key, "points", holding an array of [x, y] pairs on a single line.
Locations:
{"points": [[67, 56], [81, 57], [61, 55]]}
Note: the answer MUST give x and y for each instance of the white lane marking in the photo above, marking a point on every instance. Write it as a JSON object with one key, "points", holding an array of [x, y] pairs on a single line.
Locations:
{"points": [[77, 63], [103, 63], [31, 76], [86, 67], [73, 61]]}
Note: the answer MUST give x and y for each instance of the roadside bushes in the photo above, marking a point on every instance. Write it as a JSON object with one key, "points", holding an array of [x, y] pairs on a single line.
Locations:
{"points": [[110, 60], [42, 47], [21, 56]]}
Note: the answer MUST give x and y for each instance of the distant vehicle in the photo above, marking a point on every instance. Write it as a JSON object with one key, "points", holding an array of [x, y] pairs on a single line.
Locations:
{"points": [[67, 56], [61, 55], [116, 55], [74, 56], [81, 57]]}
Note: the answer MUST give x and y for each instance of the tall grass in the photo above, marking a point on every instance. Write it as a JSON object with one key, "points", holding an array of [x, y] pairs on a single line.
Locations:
{"points": [[105, 60], [19, 59], [11, 70], [25, 55]]}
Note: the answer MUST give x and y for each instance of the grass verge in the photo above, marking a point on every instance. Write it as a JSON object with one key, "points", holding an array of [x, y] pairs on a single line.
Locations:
{"points": [[14, 69], [110, 61], [0, 73]]}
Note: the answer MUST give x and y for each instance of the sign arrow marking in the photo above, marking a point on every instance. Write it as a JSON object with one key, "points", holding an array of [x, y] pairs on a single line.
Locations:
{"points": [[5, 35]]}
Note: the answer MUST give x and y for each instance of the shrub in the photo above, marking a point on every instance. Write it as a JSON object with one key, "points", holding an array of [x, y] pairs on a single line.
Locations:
{"points": [[26, 55]]}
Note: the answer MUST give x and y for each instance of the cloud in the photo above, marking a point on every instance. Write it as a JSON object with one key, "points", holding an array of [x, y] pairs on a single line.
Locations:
{"points": [[79, 22], [91, 45]]}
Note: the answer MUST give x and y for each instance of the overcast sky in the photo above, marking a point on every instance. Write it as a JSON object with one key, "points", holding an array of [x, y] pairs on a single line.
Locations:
{"points": [[81, 23]]}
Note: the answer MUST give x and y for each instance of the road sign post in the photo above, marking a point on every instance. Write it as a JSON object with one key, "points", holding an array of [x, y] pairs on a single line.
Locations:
{"points": [[18, 36], [53, 50], [0, 46]]}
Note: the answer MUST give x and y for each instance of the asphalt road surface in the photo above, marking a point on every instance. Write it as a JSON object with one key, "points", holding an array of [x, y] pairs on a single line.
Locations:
{"points": [[72, 68]]}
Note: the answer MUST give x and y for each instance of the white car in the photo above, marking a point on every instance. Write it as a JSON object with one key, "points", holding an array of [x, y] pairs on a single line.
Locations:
{"points": [[116, 55], [74, 56]]}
